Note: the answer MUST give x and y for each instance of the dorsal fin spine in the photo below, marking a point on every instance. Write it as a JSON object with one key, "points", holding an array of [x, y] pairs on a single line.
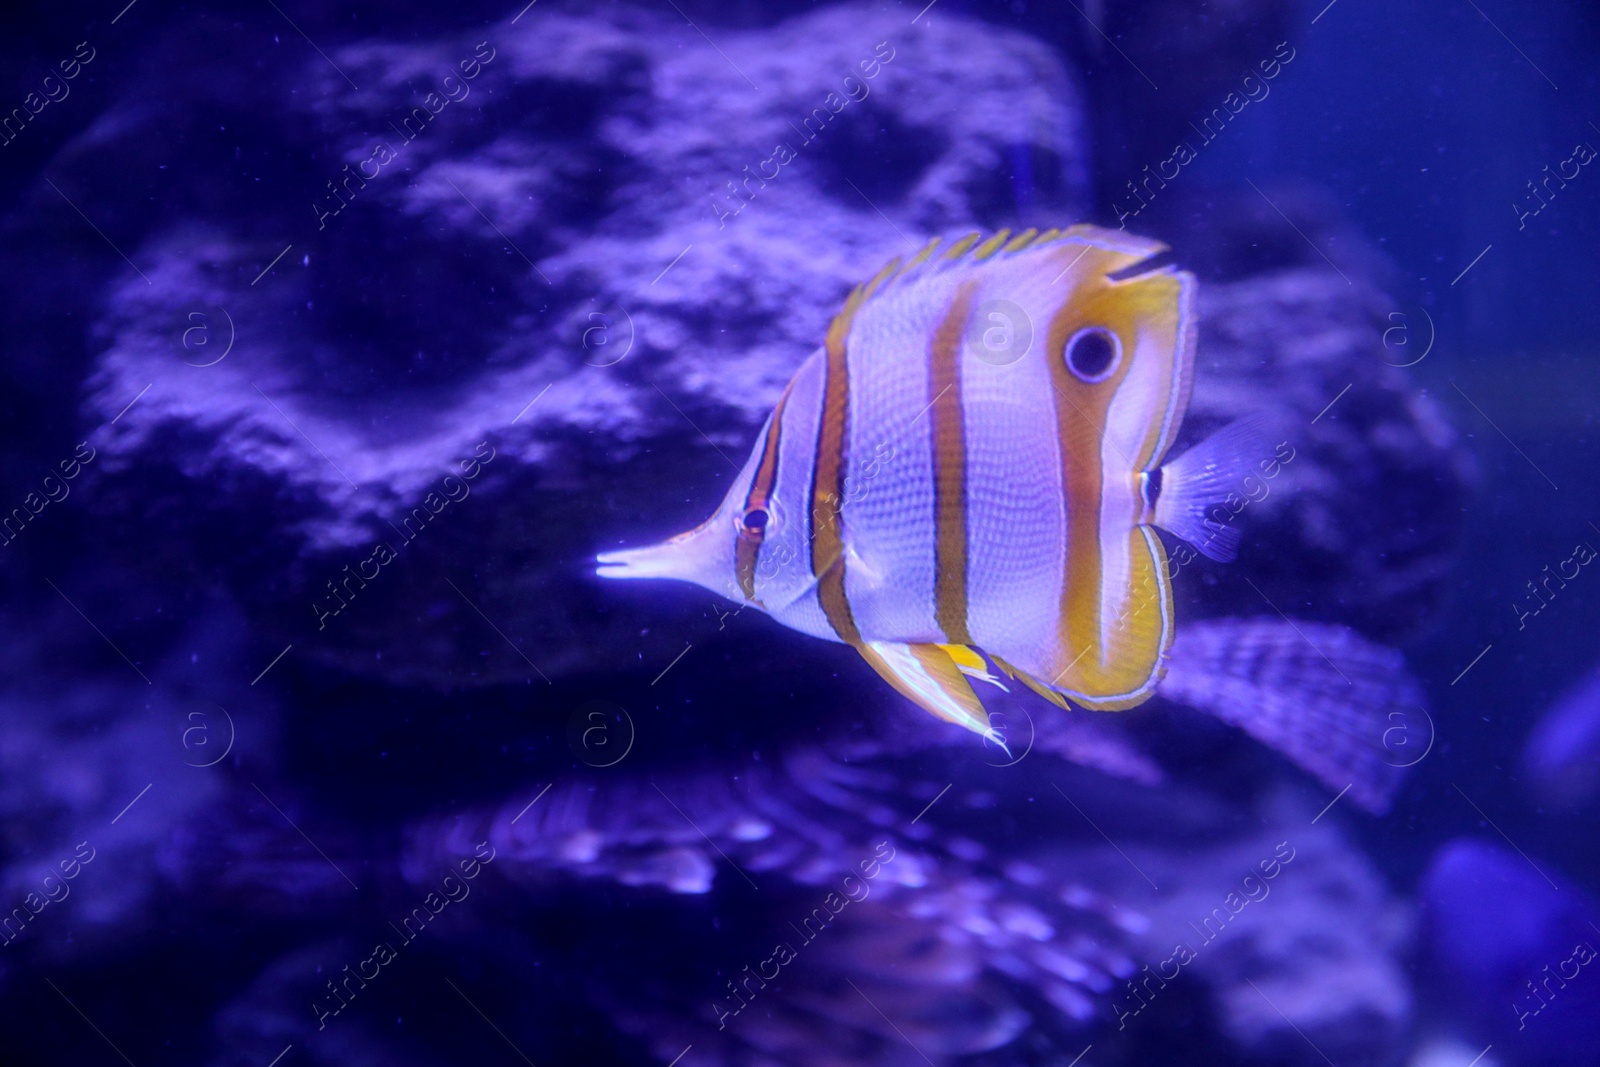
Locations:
{"points": [[991, 246], [935, 256], [959, 249], [1020, 241]]}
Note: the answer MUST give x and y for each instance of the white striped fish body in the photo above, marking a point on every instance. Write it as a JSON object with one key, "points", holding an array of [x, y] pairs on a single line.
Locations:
{"points": [[923, 493]]}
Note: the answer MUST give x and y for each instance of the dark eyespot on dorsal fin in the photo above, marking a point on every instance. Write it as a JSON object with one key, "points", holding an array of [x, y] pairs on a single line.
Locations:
{"points": [[975, 248], [1162, 260]]}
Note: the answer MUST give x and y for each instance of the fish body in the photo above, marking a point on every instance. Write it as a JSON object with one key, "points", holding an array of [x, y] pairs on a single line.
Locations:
{"points": [[970, 470]]}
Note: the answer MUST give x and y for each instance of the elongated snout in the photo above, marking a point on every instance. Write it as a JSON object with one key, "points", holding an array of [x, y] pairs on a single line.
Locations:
{"points": [[703, 556], [666, 560]]}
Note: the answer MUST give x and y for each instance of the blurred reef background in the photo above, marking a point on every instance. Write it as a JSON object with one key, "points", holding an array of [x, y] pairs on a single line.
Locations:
{"points": [[498, 289]]}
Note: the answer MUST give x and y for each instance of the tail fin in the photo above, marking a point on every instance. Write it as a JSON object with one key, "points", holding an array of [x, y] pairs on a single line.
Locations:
{"points": [[1344, 709], [1206, 476]]}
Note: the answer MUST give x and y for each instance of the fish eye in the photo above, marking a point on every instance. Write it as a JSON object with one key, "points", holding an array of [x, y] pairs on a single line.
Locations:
{"points": [[1093, 353], [755, 521]]}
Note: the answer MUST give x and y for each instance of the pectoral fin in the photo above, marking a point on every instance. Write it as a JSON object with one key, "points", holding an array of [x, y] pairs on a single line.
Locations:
{"points": [[929, 677], [972, 665]]}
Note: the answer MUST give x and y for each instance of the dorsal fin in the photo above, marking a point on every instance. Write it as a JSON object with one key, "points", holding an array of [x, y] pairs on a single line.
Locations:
{"points": [[1032, 683], [974, 248]]}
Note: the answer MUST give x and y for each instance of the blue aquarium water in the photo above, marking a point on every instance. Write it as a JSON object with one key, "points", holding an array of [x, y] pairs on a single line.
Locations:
{"points": [[1107, 491]]}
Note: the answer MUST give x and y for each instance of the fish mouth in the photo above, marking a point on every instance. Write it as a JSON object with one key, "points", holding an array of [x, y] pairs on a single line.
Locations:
{"points": [[693, 556], [618, 563], [664, 560]]}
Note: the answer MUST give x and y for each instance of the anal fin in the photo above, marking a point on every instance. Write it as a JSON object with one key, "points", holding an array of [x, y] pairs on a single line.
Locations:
{"points": [[928, 676], [1032, 683], [972, 664]]}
